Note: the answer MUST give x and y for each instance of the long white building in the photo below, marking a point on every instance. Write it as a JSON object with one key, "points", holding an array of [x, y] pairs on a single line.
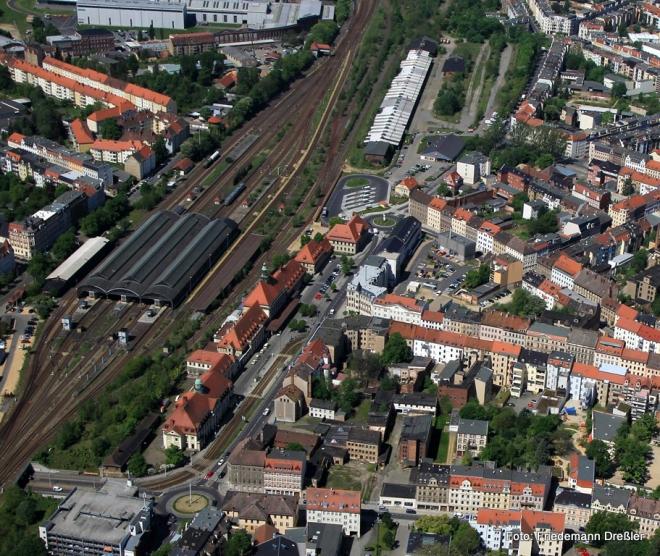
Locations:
{"points": [[178, 14], [398, 106]]}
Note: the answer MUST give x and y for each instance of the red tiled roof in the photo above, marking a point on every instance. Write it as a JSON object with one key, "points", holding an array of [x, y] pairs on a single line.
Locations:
{"points": [[313, 251], [349, 232], [243, 330], [333, 500], [116, 146], [568, 265], [81, 133], [432, 316], [394, 299], [184, 164]]}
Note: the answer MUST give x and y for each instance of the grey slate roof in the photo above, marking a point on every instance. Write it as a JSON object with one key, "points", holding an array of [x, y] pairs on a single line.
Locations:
{"points": [[605, 425], [615, 497], [473, 426]]}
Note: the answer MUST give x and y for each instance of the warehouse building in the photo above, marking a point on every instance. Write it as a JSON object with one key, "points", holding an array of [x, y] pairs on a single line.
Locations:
{"points": [[84, 258], [134, 13], [400, 101], [88, 522], [163, 260], [173, 14]]}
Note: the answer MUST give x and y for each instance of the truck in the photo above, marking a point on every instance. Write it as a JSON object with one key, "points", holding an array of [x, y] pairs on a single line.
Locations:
{"points": [[211, 159], [233, 194]]}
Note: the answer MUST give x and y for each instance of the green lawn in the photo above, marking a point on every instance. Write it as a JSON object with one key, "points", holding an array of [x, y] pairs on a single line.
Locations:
{"points": [[443, 447], [467, 50], [343, 478], [356, 182]]}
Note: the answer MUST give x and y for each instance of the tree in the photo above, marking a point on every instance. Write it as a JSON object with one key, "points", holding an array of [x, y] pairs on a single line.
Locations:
{"points": [[466, 540], [160, 150], [5, 79], [364, 365], [477, 277], [347, 264], [137, 466], [606, 522], [619, 90], [628, 187], [436, 524], [26, 512], [396, 350], [599, 452], [240, 544], [298, 325], [109, 129], [523, 304], [347, 396], [544, 160], [389, 538], [174, 456], [308, 310], [279, 260], [295, 447], [639, 260], [63, 246]]}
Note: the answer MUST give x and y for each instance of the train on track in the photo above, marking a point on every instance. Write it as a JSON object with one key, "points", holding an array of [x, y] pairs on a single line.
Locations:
{"points": [[233, 194], [211, 159]]}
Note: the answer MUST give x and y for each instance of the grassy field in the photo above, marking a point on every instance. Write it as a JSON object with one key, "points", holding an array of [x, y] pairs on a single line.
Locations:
{"points": [[356, 182], [443, 445], [343, 478]]}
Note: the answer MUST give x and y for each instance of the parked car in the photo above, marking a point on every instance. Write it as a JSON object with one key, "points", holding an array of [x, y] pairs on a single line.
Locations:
{"points": [[57, 488]]}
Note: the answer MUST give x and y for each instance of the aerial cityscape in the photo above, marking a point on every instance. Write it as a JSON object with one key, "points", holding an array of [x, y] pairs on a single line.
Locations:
{"points": [[329, 278]]}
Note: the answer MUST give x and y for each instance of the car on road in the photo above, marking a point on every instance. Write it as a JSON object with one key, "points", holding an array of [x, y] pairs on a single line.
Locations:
{"points": [[57, 488], [221, 461], [266, 412], [410, 511], [209, 475]]}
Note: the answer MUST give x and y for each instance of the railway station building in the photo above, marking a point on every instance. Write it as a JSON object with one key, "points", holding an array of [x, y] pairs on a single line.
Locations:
{"points": [[163, 260]]}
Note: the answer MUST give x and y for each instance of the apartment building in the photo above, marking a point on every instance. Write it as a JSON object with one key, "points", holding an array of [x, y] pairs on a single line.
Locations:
{"points": [[481, 486], [251, 510], [53, 153], [284, 472], [334, 507], [431, 482], [38, 232], [575, 505], [471, 437], [540, 532]]}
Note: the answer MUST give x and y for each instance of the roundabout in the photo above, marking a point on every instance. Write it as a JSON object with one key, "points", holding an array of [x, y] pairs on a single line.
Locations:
{"points": [[184, 502], [188, 504]]}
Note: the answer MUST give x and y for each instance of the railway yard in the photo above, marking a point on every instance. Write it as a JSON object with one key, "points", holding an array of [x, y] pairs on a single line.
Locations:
{"points": [[59, 375]]}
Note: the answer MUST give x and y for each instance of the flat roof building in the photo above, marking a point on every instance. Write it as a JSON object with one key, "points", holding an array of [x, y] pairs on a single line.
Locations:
{"points": [[96, 523]]}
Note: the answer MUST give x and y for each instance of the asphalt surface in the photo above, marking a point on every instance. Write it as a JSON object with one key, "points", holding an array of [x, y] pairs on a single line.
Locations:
{"points": [[347, 200]]}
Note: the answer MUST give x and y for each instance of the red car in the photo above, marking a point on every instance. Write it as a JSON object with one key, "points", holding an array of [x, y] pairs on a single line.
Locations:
{"points": [[209, 474], [318, 296]]}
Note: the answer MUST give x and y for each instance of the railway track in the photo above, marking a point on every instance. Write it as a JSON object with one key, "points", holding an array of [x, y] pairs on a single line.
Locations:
{"points": [[45, 403]]}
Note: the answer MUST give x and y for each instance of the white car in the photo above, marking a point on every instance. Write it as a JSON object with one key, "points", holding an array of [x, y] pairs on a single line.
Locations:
{"points": [[58, 488], [266, 411]]}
